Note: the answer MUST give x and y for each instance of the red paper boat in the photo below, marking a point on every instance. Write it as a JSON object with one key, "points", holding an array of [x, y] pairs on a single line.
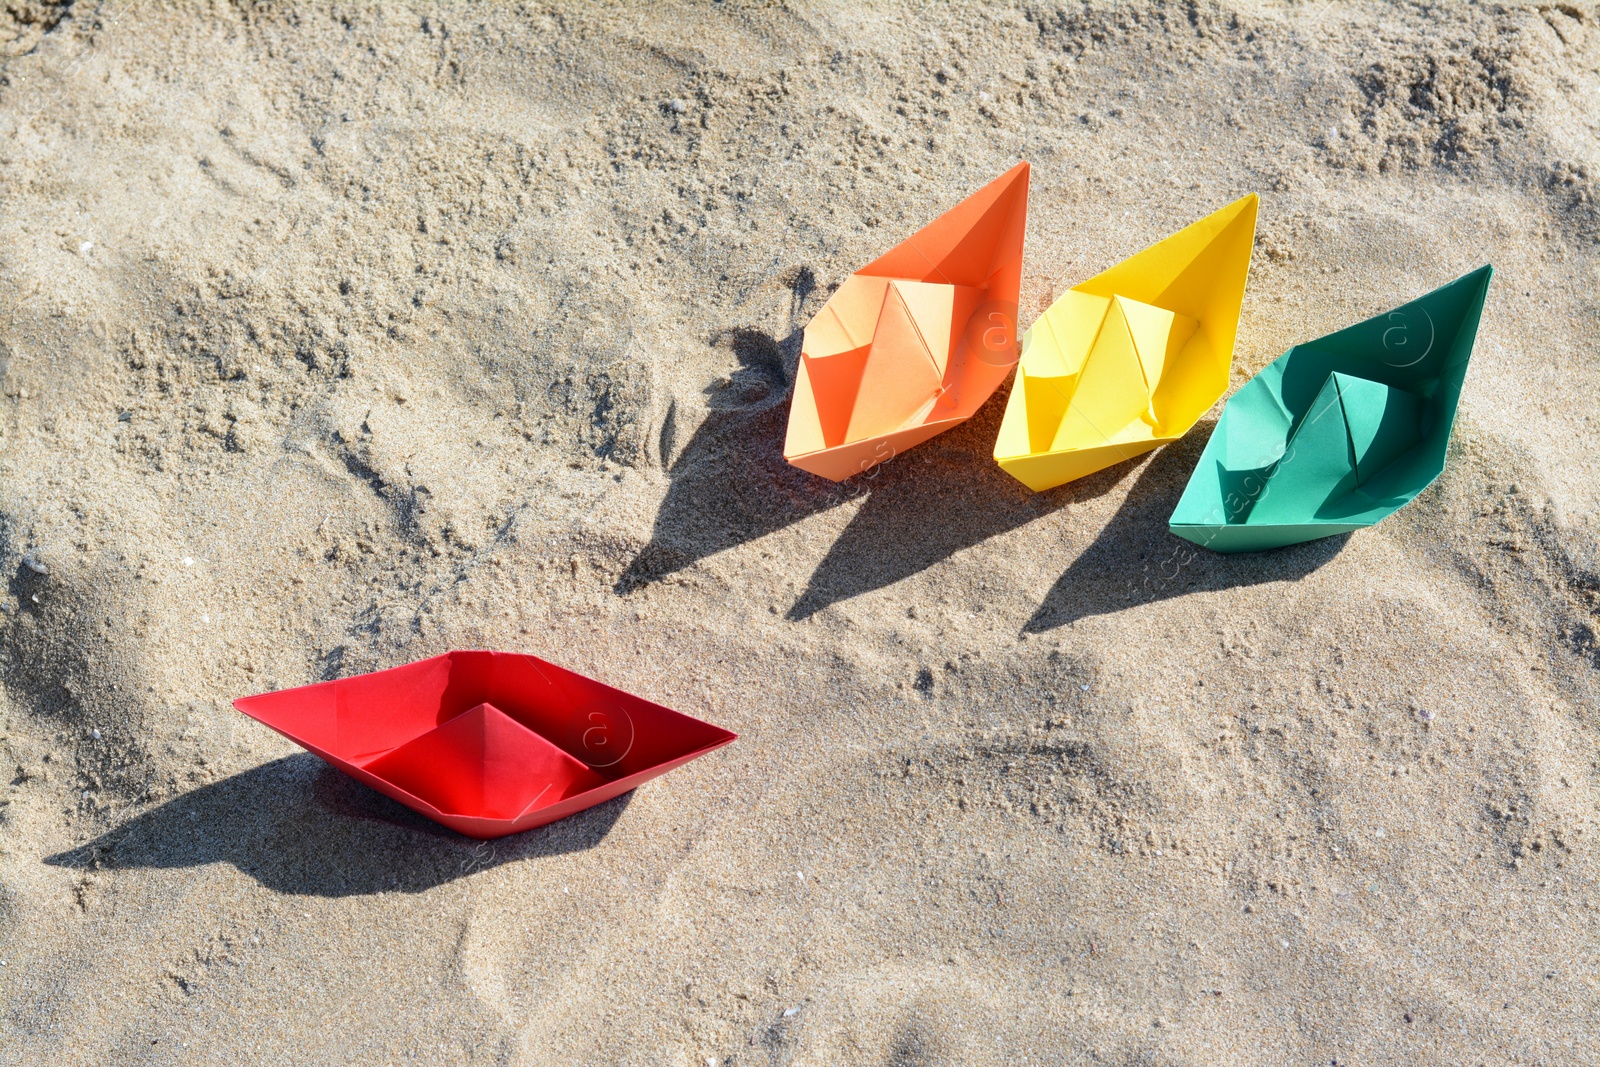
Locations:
{"points": [[486, 743]]}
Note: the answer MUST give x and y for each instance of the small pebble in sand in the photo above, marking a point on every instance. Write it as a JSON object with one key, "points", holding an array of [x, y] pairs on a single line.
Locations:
{"points": [[94, 735], [188, 561], [678, 107], [85, 248], [790, 1013], [35, 564]]}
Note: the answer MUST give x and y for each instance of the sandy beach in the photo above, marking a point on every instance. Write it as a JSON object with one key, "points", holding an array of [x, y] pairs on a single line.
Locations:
{"points": [[335, 337]]}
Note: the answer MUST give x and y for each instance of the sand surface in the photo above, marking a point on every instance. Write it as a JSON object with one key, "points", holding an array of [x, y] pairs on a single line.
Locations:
{"points": [[337, 337]]}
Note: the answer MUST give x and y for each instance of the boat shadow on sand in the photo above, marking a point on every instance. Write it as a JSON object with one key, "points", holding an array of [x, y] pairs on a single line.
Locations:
{"points": [[731, 485], [1136, 560], [917, 516], [298, 826]]}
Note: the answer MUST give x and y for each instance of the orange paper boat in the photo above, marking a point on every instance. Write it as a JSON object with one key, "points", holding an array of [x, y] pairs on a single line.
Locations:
{"points": [[914, 342]]}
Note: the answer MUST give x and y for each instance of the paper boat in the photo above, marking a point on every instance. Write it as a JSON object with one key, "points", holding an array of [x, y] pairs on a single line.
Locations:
{"points": [[486, 743], [914, 342], [1131, 358], [1338, 433]]}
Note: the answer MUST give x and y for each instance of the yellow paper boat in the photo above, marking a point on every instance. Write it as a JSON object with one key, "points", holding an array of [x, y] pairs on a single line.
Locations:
{"points": [[1131, 358]]}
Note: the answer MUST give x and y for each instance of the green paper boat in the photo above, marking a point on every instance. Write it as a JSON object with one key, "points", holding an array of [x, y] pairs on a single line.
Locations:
{"points": [[1337, 433]]}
